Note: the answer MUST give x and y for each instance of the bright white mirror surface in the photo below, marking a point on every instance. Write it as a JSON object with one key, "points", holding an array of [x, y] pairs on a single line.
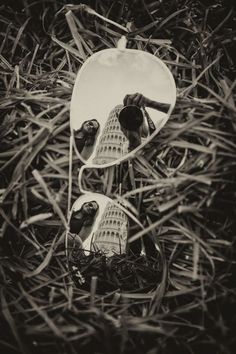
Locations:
{"points": [[108, 81]]}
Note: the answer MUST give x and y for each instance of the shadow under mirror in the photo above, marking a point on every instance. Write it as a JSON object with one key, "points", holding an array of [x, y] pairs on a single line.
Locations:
{"points": [[121, 99], [97, 245]]}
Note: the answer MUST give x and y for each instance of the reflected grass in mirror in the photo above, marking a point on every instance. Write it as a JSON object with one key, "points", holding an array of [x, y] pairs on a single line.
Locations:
{"points": [[97, 244]]}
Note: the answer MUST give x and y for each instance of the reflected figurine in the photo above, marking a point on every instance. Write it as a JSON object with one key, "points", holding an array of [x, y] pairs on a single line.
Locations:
{"points": [[81, 223], [135, 121], [126, 128], [85, 137]]}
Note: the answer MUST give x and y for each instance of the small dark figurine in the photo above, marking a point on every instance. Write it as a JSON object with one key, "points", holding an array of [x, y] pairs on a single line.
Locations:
{"points": [[81, 223], [85, 137], [83, 217], [136, 123]]}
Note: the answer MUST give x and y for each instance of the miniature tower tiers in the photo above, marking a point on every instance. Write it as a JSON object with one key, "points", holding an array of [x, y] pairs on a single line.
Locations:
{"points": [[111, 235], [112, 143]]}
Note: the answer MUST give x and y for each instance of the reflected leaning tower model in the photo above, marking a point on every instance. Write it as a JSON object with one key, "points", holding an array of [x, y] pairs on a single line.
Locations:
{"points": [[111, 235], [112, 142]]}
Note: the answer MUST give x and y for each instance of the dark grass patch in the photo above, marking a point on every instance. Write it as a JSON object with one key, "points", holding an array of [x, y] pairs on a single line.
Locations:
{"points": [[184, 181]]}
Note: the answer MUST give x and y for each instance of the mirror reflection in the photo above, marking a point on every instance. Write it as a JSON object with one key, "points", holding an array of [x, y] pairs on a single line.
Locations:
{"points": [[97, 245], [121, 99], [97, 224]]}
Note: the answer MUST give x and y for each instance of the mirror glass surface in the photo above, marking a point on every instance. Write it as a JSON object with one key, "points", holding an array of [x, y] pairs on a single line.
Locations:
{"points": [[97, 245], [121, 99], [97, 224]]}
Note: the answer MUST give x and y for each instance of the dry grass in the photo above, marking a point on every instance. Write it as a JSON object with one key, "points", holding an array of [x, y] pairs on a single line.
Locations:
{"points": [[184, 181]]}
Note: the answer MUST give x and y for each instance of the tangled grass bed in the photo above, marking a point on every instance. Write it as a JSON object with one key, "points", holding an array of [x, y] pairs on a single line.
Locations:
{"points": [[184, 180]]}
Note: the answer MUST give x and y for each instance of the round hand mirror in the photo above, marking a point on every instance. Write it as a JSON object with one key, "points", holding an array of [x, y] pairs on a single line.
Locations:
{"points": [[121, 99]]}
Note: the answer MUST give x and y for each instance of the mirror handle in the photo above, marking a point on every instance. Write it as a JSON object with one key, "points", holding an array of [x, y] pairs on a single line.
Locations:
{"points": [[121, 44]]}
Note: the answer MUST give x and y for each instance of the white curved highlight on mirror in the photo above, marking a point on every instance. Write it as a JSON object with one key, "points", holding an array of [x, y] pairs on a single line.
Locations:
{"points": [[97, 223], [120, 101]]}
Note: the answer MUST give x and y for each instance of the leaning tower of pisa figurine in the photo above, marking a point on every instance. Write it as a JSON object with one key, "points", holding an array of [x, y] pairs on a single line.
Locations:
{"points": [[112, 232], [112, 143]]}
